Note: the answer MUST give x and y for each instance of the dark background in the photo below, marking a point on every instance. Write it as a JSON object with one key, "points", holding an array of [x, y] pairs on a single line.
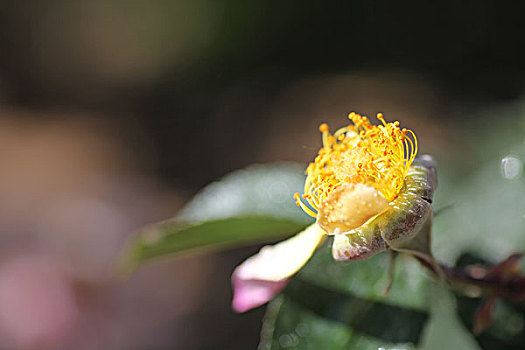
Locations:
{"points": [[58, 54]]}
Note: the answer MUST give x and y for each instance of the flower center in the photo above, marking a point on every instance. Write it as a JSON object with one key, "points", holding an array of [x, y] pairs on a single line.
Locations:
{"points": [[378, 156], [348, 207]]}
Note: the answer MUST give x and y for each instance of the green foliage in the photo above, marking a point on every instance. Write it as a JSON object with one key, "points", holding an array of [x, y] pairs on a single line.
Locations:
{"points": [[331, 305], [171, 238], [487, 216], [247, 206]]}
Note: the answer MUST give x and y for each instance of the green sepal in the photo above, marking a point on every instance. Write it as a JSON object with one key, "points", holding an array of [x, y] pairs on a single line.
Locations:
{"points": [[405, 226]]}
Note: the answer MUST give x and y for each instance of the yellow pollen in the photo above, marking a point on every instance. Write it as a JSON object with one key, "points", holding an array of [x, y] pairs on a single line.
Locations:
{"points": [[374, 155]]}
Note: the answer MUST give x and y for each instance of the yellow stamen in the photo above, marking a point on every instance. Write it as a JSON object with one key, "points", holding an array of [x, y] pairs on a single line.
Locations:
{"points": [[375, 155]]}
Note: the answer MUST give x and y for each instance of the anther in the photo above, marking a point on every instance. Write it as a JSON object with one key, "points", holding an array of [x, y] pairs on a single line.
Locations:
{"points": [[323, 127]]}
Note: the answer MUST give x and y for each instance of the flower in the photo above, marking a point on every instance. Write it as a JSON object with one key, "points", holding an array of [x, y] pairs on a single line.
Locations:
{"points": [[366, 189]]}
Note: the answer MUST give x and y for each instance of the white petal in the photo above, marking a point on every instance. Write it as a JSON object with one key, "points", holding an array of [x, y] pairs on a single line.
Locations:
{"points": [[280, 261]]}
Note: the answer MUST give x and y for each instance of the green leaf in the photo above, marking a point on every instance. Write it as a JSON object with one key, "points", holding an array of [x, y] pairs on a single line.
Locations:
{"points": [[247, 206], [369, 278], [291, 325], [445, 330], [170, 238], [263, 190], [330, 305], [488, 213]]}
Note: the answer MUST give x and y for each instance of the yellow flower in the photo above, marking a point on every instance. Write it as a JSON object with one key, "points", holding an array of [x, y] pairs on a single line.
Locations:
{"points": [[362, 160], [366, 189]]}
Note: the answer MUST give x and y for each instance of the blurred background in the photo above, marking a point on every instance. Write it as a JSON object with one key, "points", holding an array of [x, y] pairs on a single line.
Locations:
{"points": [[114, 113]]}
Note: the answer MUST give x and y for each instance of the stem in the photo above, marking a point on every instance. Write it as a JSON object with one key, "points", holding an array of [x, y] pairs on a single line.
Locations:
{"points": [[500, 282]]}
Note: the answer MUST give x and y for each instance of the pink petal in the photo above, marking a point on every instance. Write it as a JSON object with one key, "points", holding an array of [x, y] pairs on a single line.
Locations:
{"points": [[249, 294], [259, 278]]}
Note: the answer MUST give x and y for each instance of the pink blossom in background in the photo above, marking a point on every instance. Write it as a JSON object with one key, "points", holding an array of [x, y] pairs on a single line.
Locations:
{"points": [[37, 304]]}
